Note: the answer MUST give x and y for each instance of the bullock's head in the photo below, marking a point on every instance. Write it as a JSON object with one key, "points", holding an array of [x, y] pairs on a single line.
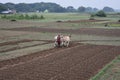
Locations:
{"points": [[70, 35]]}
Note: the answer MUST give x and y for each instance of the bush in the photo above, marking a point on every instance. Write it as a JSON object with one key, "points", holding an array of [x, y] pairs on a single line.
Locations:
{"points": [[118, 20], [13, 20], [27, 16], [3, 16], [91, 18], [92, 15], [22, 16], [34, 16], [106, 25], [118, 13], [101, 14], [42, 17]]}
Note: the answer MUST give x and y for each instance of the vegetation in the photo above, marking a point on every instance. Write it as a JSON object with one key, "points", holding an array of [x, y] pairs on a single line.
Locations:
{"points": [[118, 20], [50, 7], [22, 16], [105, 73], [115, 24], [108, 9], [92, 17], [81, 9], [63, 16], [101, 14], [71, 9], [2, 8]]}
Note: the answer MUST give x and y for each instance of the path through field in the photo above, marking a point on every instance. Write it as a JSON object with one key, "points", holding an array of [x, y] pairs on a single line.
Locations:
{"points": [[77, 62]]}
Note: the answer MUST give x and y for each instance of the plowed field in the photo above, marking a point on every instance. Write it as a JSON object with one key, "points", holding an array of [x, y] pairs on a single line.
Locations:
{"points": [[76, 62]]}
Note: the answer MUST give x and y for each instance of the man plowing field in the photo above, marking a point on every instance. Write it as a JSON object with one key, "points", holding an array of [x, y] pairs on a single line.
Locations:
{"points": [[58, 41], [61, 40]]}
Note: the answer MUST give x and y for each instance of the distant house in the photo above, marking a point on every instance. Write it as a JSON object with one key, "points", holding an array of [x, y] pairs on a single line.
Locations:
{"points": [[8, 12]]}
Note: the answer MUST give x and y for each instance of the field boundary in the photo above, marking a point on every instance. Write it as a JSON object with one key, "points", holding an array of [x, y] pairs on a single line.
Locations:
{"points": [[104, 69]]}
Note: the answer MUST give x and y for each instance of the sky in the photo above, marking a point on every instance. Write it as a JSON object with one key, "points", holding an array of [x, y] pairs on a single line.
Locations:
{"points": [[75, 3]]}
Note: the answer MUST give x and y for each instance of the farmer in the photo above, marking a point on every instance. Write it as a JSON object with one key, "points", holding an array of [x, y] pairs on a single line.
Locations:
{"points": [[59, 40]]}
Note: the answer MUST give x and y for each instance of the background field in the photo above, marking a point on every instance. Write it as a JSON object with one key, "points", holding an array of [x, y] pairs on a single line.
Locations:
{"points": [[31, 36]]}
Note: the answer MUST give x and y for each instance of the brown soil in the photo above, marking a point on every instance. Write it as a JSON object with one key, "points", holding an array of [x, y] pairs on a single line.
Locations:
{"points": [[77, 62], [78, 21], [14, 42], [88, 31], [21, 41]]}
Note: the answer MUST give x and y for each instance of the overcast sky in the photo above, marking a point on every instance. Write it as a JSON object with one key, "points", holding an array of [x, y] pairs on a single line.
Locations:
{"points": [[75, 3]]}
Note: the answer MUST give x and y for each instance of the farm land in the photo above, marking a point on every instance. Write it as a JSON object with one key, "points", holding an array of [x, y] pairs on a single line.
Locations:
{"points": [[27, 49]]}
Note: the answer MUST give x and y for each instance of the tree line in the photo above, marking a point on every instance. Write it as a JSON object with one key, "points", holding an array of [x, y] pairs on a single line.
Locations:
{"points": [[50, 7]]}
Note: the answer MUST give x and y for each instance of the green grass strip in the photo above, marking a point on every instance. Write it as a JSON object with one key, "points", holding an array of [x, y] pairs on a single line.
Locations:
{"points": [[102, 72]]}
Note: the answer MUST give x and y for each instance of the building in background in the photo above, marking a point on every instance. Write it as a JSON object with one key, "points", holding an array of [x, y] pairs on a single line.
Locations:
{"points": [[8, 12]]}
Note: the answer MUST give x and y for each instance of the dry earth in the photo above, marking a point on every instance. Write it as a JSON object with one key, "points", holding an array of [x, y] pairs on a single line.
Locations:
{"points": [[89, 31], [77, 62]]}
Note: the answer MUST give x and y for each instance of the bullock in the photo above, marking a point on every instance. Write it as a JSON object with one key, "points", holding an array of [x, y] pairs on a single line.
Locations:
{"points": [[66, 40], [61, 40]]}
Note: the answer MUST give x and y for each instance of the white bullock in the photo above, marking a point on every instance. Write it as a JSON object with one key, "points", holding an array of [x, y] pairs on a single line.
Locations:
{"points": [[66, 40]]}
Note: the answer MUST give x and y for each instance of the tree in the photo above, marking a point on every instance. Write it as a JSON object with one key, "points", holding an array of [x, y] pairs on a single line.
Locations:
{"points": [[27, 16], [81, 9], [95, 9], [22, 7], [2, 8], [10, 5], [101, 14], [108, 9], [70, 9], [89, 9]]}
